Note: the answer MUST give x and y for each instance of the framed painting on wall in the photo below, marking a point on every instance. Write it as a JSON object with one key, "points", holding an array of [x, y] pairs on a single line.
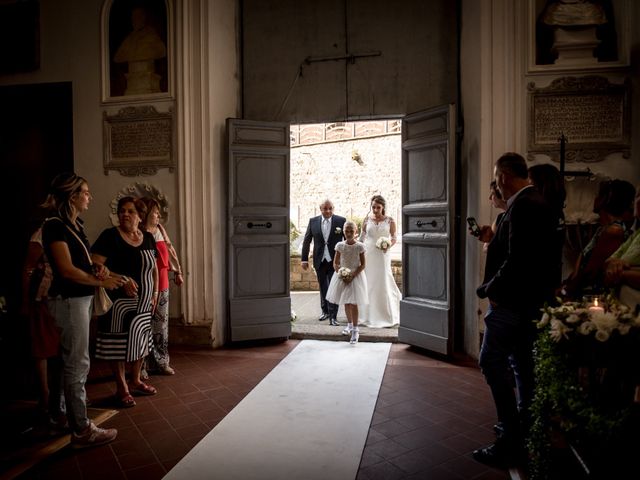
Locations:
{"points": [[137, 39], [570, 35]]}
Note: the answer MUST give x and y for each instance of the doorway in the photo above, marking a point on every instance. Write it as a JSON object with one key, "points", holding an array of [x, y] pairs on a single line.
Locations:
{"points": [[348, 163], [259, 240], [36, 143]]}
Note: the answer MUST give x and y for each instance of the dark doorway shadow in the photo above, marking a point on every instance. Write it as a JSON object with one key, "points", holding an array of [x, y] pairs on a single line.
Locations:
{"points": [[36, 143]]}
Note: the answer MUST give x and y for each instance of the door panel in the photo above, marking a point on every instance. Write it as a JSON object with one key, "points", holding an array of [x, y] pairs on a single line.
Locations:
{"points": [[426, 272], [259, 301], [428, 173], [259, 258]]}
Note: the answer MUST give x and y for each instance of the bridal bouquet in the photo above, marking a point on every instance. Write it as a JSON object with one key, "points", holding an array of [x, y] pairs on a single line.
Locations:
{"points": [[383, 243], [344, 273]]}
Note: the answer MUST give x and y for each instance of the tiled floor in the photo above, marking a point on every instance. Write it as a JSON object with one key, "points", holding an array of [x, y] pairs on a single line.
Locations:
{"points": [[430, 415]]}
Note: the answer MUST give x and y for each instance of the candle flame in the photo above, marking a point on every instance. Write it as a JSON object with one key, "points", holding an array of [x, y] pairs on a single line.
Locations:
{"points": [[595, 302]]}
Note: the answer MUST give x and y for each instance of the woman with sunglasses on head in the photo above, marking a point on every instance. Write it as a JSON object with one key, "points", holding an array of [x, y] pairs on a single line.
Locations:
{"points": [[71, 292]]}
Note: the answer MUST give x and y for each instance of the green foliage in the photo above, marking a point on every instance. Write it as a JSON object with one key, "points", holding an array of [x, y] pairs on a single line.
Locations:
{"points": [[294, 233], [563, 404], [358, 221]]}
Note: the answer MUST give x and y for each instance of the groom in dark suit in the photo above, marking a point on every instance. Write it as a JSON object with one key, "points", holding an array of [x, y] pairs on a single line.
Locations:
{"points": [[326, 231]]}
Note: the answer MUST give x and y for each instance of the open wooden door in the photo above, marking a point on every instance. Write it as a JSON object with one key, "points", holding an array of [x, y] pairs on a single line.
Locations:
{"points": [[259, 301], [428, 179]]}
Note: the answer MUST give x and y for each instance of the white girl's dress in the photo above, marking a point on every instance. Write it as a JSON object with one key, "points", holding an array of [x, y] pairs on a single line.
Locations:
{"points": [[355, 292], [383, 310]]}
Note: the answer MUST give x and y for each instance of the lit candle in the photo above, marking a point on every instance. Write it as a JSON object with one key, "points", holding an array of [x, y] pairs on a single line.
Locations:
{"points": [[595, 308]]}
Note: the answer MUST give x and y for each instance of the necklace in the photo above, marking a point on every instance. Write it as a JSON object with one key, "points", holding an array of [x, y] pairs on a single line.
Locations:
{"points": [[134, 235]]}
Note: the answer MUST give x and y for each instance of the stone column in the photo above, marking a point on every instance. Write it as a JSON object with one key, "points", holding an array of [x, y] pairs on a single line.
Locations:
{"points": [[207, 94]]}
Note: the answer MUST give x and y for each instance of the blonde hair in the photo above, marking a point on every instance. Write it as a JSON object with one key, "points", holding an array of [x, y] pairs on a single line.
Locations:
{"points": [[352, 223], [63, 187]]}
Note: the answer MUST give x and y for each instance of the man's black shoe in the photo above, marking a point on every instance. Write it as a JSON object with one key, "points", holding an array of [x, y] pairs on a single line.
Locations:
{"points": [[498, 455], [498, 429], [324, 316]]}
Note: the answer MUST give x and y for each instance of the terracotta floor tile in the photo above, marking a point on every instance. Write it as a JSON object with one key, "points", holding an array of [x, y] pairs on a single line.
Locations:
{"points": [[423, 436], [383, 471], [412, 462], [139, 458], [149, 429], [198, 431], [148, 472], [168, 446], [392, 428], [387, 449], [429, 416], [465, 466]]}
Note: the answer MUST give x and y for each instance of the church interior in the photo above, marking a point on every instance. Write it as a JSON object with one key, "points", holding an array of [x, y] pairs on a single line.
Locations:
{"points": [[190, 102]]}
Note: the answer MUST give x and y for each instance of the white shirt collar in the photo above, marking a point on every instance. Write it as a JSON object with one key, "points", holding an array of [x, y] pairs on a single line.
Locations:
{"points": [[513, 197]]}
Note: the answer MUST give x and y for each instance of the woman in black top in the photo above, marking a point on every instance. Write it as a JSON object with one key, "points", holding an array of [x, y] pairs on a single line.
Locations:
{"points": [[124, 333], [72, 290]]}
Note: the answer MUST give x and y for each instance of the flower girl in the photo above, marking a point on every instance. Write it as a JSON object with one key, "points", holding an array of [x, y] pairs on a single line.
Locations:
{"points": [[349, 286]]}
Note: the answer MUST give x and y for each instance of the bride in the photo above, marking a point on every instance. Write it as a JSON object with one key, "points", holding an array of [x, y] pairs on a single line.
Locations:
{"points": [[384, 296]]}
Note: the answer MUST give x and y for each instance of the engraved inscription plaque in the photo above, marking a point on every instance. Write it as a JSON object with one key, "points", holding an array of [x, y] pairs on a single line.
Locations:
{"points": [[591, 112], [138, 141]]}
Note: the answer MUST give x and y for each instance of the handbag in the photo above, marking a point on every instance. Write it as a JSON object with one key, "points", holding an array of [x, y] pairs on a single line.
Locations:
{"points": [[101, 301]]}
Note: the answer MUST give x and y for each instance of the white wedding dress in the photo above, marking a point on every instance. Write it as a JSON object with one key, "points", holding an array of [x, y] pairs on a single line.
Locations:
{"points": [[383, 310]]}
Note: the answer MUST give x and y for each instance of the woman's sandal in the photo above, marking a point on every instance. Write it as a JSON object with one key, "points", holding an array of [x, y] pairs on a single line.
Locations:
{"points": [[125, 401], [142, 389]]}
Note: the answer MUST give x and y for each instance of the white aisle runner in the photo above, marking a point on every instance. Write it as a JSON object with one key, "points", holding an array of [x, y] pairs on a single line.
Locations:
{"points": [[308, 419]]}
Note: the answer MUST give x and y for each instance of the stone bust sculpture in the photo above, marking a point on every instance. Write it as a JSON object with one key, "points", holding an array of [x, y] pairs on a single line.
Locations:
{"points": [[143, 43], [568, 13], [139, 50]]}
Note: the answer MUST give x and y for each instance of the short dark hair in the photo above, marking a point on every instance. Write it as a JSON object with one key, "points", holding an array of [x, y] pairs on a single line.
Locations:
{"points": [[550, 183], [513, 164], [127, 199], [617, 196]]}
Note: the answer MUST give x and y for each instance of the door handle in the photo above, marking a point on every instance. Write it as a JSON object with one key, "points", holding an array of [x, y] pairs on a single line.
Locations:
{"points": [[420, 223], [259, 225]]}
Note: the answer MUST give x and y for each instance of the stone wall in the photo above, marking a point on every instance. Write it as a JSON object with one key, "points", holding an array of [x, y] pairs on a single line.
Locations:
{"points": [[347, 172], [302, 280]]}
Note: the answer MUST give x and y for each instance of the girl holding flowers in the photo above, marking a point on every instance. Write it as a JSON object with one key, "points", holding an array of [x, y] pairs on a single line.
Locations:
{"points": [[349, 286]]}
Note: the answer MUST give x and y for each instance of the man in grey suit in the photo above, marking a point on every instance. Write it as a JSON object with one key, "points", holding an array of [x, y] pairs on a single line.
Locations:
{"points": [[326, 231]]}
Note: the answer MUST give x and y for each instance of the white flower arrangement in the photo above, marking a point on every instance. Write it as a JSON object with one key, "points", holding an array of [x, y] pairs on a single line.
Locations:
{"points": [[338, 230], [383, 243], [344, 273], [583, 319]]}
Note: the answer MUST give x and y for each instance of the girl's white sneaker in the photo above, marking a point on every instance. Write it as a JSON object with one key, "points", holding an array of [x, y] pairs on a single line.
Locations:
{"points": [[355, 335]]}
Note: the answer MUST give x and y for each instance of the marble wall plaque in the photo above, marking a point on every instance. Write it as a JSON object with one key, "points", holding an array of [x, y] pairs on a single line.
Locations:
{"points": [[138, 141], [591, 112]]}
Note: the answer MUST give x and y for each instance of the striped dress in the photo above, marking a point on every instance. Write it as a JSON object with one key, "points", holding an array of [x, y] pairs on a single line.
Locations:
{"points": [[124, 333]]}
